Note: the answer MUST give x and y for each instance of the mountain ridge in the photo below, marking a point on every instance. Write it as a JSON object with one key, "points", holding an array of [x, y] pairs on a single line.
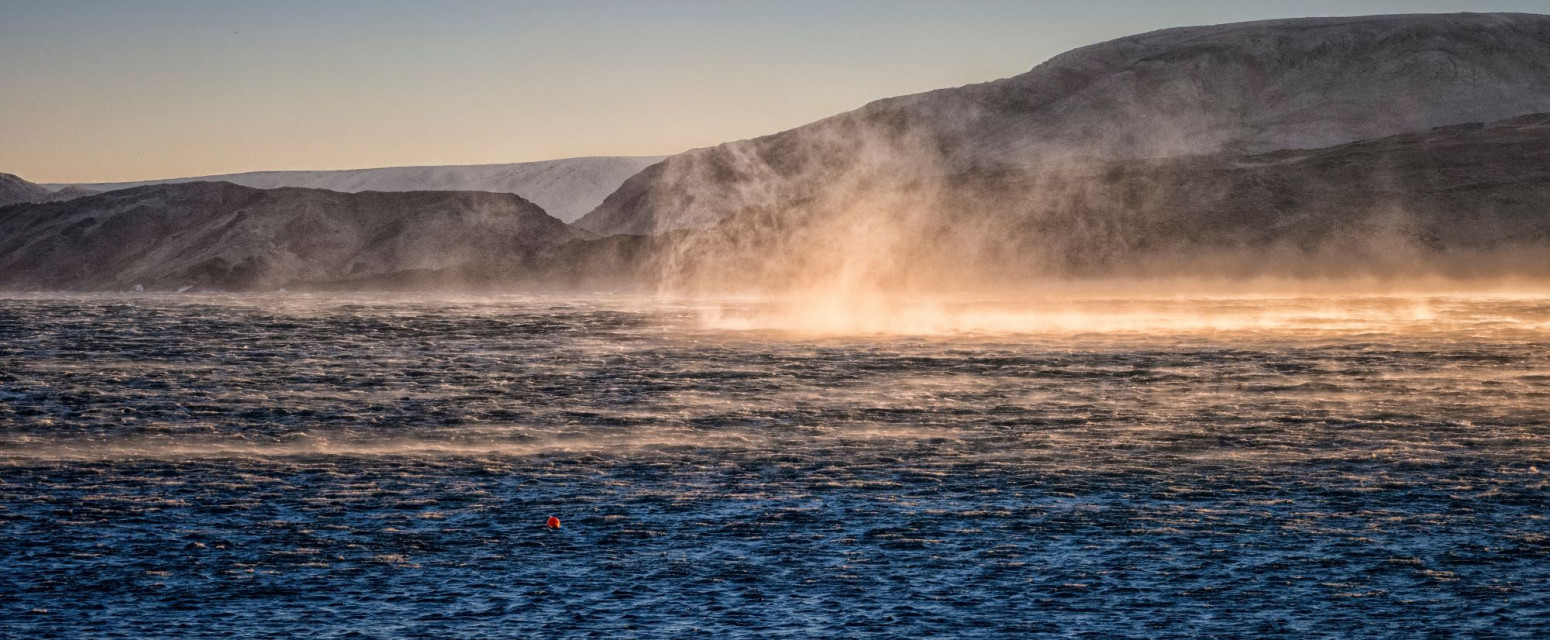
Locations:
{"points": [[566, 188], [15, 190], [1462, 201], [223, 235], [1244, 87]]}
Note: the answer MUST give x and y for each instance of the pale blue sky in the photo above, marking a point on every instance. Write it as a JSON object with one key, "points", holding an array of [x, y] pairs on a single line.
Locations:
{"points": [[139, 89]]}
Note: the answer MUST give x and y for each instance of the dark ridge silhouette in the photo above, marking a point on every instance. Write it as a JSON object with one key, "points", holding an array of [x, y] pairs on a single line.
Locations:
{"points": [[215, 234]]}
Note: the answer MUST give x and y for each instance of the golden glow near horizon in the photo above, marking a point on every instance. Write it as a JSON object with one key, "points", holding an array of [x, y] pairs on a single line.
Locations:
{"points": [[1502, 311], [115, 91]]}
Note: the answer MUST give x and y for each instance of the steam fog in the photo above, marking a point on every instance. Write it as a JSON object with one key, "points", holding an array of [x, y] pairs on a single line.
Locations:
{"points": [[1377, 155], [899, 241], [1227, 331]]}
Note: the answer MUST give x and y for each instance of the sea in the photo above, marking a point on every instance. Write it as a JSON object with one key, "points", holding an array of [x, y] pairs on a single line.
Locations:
{"points": [[1187, 465]]}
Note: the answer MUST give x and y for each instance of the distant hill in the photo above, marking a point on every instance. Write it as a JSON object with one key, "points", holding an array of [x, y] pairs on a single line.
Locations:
{"points": [[1237, 89], [224, 235], [565, 189], [1387, 147], [13, 189]]}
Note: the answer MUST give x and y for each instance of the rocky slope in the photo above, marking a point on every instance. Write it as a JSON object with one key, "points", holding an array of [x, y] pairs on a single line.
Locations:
{"points": [[1238, 88], [565, 189], [229, 236]]}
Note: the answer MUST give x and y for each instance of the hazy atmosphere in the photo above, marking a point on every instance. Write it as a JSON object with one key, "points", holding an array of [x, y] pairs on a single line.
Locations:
{"points": [[774, 319], [110, 91]]}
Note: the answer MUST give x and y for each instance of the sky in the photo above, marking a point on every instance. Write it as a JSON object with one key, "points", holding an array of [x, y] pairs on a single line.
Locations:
{"points": [[117, 90]]}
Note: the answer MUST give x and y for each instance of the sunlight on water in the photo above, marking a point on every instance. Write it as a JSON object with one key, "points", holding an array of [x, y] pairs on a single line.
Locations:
{"points": [[1266, 315]]}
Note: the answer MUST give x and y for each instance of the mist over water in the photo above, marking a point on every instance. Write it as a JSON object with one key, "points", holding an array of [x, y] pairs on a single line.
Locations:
{"points": [[1158, 309], [1085, 463], [1211, 332]]}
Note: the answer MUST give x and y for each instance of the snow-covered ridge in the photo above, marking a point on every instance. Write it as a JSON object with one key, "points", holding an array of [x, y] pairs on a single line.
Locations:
{"points": [[566, 189]]}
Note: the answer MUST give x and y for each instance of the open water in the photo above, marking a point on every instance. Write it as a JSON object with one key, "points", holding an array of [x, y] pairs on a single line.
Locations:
{"points": [[292, 465]]}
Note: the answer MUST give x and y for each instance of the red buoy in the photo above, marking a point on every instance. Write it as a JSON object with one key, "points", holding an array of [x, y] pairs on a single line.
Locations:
{"points": [[552, 522]]}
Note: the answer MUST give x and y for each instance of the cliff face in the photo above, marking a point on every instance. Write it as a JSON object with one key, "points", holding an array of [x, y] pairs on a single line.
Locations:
{"points": [[225, 235], [1241, 88]]}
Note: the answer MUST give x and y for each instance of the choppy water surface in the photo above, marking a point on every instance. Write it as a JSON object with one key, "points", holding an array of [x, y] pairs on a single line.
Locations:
{"points": [[194, 466]]}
